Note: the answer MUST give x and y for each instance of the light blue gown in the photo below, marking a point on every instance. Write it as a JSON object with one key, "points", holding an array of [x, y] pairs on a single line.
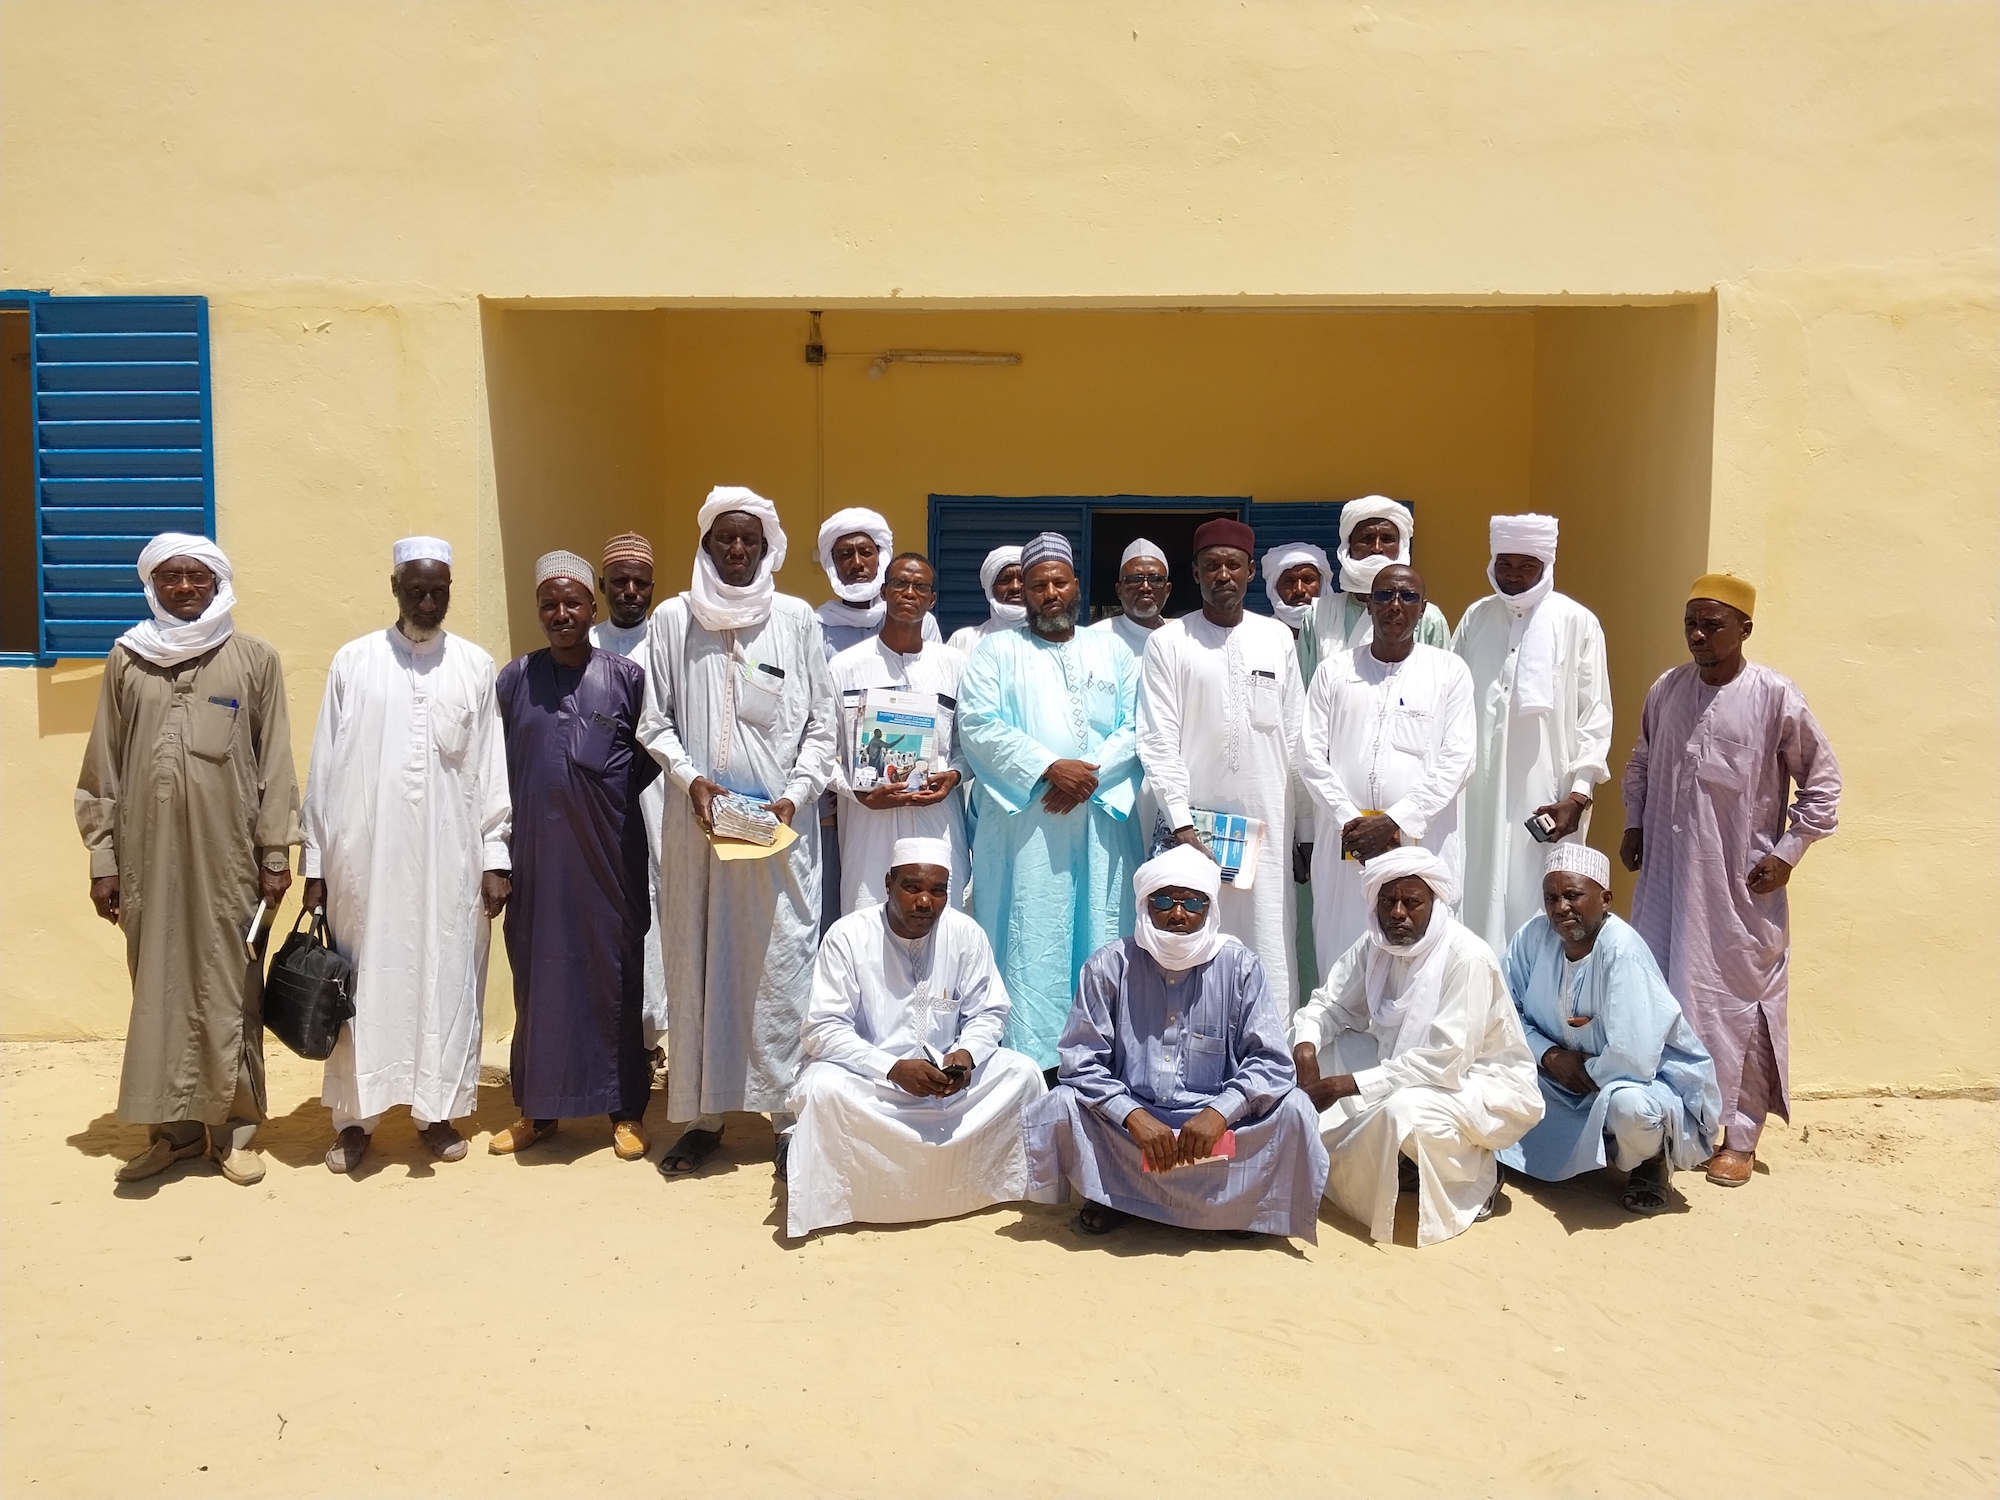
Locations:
{"points": [[1050, 889], [1636, 1040]]}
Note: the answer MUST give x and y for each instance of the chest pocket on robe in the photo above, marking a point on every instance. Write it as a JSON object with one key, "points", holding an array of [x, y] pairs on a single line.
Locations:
{"points": [[759, 691], [211, 730], [1412, 731], [1207, 1060], [1725, 764], [451, 729], [1263, 700], [603, 748]]}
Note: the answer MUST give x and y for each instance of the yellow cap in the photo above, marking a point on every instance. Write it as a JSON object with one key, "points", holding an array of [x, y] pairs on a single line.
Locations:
{"points": [[1727, 588]]}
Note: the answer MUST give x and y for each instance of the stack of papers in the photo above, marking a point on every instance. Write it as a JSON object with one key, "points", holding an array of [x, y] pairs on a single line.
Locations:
{"points": [[735, 817]]}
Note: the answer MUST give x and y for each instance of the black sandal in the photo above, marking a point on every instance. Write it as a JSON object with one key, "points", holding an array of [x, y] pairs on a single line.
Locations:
{"points": [[686, 1155], [1646, 1190], [1100, 1218]]}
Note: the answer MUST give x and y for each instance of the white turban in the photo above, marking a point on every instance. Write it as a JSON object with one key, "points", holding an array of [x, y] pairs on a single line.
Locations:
{"points": [[1535, 666], [1358, 577], [1290, 555], [920, 851], [1141, 548], [848, 522], [1579, 859], [998, 561], [1182, 865], [1531, 535], [420, 549], [565, 565], [723, 606], [1411, 1010], [164, 640]]}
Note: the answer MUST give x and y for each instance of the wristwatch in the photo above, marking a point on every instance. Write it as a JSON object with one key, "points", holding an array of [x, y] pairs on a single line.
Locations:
{"points": [[277, 861]]}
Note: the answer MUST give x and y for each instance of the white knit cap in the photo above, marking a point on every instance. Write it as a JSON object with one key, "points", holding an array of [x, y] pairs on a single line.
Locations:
{"points": [[920, 852], [1579, 859], [421, 549], [565, 565]]}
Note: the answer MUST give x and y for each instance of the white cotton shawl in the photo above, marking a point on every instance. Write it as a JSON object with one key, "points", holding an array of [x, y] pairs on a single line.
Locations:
{"points": [[864, 598], [1535, 666], [1289, 555], [997, 562], [1181, 865], [164, 640], [1357, 575], [1411, 1011], [720, 606]]}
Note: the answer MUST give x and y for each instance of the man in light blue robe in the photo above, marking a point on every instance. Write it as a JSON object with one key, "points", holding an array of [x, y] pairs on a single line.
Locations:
{"points": [[1625, 1081], [1048, 721], [1176, 1101]]}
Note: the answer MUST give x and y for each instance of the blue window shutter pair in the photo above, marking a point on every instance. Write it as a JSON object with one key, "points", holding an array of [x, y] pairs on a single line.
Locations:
{"points": [[124, 449]]}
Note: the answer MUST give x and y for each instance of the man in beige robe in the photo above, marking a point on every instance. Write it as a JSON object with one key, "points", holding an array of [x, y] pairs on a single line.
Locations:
{"points": [[189, 806]]}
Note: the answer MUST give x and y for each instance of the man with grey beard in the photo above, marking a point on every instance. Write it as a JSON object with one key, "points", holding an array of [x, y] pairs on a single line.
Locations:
{"points": [[1048, 721]]}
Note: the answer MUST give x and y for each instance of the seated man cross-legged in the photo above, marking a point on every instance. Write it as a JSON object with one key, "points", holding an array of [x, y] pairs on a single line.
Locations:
{"points": [[1625, 1080], [1414, 1055], [1176, 1100], [909, 1108]]}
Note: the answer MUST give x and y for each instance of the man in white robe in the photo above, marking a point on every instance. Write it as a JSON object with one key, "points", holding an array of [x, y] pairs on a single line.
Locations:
{"points": [[872, 819], [738, 700], [1386, 747], [626, 582], [1375, 532], [407, 825], [1000, 579], [1414, 1056], [1143, 587], [1542, 693], [1219, 716], [908, 1106]]}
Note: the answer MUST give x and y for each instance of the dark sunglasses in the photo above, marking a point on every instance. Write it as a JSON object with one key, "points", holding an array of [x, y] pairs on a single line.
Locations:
{"points": [[1163, 903], [1398, 596], [1146, 580]]}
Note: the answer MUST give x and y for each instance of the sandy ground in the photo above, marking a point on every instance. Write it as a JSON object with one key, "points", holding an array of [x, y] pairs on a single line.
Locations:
{"points": [[571, 1324]]}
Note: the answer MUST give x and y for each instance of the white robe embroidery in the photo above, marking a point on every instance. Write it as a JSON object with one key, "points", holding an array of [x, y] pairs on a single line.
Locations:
{"points": [[737, 937], [406, 806], [631, 643], [1526, 760], [1393, 737], [1219, 716], [1464, 1089], [863, 1148], [867, 835]]}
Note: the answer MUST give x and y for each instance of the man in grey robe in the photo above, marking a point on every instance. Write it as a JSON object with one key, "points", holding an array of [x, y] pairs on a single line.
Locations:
{"points": [[189, 806], [738, 701], [1722, 743], [1175, 1099]]}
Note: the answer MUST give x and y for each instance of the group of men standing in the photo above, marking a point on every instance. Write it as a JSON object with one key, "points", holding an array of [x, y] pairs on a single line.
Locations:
{"points": [[1200, 919]]}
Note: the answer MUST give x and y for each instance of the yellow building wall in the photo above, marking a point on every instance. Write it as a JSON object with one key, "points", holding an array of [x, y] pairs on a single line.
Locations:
{"points": [[346, 182]]}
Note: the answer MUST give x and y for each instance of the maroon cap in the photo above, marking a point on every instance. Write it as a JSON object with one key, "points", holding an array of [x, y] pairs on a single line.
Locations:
{"points": [[1225, 532]]}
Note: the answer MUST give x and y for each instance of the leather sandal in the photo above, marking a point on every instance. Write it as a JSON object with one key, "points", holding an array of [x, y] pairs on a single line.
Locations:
{"points": [[522, 1134], [628, 1139]]}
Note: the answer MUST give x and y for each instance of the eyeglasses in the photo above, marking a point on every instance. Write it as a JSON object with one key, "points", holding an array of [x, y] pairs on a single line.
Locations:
{"points": [[1163, 903], [1398, 596], [1146, 580], [908, 586], [164, 579]]}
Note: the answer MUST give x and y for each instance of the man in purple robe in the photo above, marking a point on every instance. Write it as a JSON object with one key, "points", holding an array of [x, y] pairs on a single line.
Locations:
{"points": [[577, 924], [1722, 745]]}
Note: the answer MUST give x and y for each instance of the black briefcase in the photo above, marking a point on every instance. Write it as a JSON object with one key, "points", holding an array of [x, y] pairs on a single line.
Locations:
{"points": [[309, 993]]}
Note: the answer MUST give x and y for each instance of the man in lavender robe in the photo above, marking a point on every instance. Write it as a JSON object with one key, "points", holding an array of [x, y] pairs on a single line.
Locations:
{"points": [[577, 923], [1722, 744], [1176, 1100]]}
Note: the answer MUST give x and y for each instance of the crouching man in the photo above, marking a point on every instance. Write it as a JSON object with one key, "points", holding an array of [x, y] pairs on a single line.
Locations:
{"points": [[1176, 1100], [908, 1106], [1426, 1074], [1625, 1081]]}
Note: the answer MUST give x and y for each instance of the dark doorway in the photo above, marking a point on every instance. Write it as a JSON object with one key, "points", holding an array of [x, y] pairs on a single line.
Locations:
{"points": [[1172, 531]]}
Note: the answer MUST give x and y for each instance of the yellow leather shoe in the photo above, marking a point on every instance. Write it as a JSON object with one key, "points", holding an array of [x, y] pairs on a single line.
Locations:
{"points": [[628, 1139], [522, 1134]]}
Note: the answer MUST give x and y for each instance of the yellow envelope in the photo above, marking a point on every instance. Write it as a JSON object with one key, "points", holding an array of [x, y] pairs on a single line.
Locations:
{"points": [[744, 849]]}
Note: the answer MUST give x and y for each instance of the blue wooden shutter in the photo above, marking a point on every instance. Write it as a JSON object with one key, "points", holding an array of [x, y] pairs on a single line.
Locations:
{"points": [[123, 451], [1315, 521], [964, 528]]}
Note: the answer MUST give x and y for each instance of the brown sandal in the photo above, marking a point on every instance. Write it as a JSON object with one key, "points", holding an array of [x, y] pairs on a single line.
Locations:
{"points": [[1731, 1168], [522, 1134]]}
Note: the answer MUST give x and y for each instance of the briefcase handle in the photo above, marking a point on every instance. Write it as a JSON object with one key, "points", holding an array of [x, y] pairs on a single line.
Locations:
{"points": [[319, 932]]}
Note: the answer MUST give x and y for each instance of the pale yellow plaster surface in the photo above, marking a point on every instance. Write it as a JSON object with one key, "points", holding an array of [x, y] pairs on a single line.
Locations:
{"points": [[347, 182]]}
